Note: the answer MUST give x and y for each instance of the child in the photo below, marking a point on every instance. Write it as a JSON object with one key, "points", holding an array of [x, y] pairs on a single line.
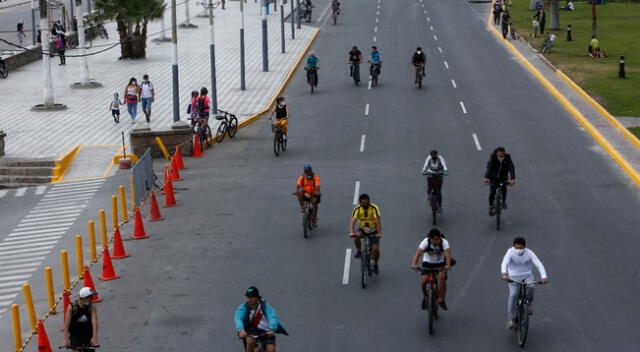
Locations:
{"points": [[115, 107]]}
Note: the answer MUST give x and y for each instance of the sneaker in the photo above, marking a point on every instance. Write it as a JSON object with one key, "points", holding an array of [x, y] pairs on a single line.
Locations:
{"points": [[358, 255], [133, 121], [284, 137], [443, 305], [504, 204], [376, 270], [510, 324], [423, 305], [492, 210]]}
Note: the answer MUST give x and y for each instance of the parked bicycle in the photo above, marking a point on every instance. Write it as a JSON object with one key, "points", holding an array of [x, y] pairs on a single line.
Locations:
{"points": [[279, 142], [4, 71], [366, 260], [228, 125], [431, 290], [547, 44], [434, 195], [521, 326], [355, 72]]}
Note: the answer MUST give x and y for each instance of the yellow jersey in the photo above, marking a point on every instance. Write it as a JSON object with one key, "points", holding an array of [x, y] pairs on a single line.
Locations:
{"points": [[366, 217]]}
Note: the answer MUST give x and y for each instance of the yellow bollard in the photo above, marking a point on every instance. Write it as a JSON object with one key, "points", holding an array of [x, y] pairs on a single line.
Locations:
{"points": [[51, 293], [103, 228], [17, 333], [79, 256], [123, 204], [28, 300], [92, 241], [64, 259], [114, 211], [133, 195], [163, 148]]}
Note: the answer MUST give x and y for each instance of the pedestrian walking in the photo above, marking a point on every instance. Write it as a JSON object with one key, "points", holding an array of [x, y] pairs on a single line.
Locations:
{"points": [[115, 107], [20, 32], [81, 322], [505, 18], [132, 95], [61, 44], [147, 96], [497, 10], [541, 17]]}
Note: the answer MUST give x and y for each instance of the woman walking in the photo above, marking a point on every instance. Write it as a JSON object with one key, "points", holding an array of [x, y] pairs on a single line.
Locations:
{"points": [[60, 46], [132, 96]]}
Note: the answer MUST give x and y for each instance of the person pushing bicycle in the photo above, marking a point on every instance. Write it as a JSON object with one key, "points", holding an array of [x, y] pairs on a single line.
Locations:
{"points": [[368, 216], [436, 254], [500, 170], [435, 167], [308, 189]]}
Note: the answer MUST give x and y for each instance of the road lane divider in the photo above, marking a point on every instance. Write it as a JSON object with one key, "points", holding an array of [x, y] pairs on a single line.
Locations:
{"points": [[464, 109], [362, 143], [435, 37], [475, 139], [366, 107], [347, 266], [453, 83], [446, 65], [356, 193], [428, 19], [440, 50]]}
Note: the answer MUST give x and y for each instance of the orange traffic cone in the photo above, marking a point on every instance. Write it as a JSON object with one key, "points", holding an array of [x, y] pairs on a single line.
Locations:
{"points": [[166, 174], [175, 174], [88, 282], [155, 210], [169, 198], [66, 302], [178, 157], [43, 340], [107, 267], [196, 151], [118, 246], [138, 229]]}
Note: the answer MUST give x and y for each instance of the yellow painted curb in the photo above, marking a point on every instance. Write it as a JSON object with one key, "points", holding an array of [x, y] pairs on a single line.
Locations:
{"points": [[63, 163], [283, 85], [633, 174]]}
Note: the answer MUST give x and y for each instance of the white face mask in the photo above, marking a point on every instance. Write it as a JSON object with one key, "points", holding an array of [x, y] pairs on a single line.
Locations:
{"points": [[419, 52], [520, 251]]}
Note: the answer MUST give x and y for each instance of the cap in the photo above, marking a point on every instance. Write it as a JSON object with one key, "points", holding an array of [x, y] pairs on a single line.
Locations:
{"points": [[252, 292], [86, 292], [307, 167]]}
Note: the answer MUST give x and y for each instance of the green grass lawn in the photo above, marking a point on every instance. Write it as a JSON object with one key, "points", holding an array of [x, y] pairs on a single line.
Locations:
{"points": [[635, 131], [619, 34]]}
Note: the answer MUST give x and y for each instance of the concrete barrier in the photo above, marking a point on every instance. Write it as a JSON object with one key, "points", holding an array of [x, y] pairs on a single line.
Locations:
{"points": [[143, 137]]}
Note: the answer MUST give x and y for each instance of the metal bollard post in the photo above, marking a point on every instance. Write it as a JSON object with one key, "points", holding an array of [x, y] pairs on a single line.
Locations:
{"points": [[92, 241], [292, 16], [28, 301], [123, 204], [50, 292], [298, 14], [621, 72], [64, 259], [103, 228], [79, 256], [282, 27], [114, 211], [17, 330], [569, 38]]}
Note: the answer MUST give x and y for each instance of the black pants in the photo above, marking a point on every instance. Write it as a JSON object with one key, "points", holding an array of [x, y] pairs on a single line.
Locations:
{"points": [[62, 58], [496, 17], [505, 30], [542, 27], [355, 71], [492, 192]]}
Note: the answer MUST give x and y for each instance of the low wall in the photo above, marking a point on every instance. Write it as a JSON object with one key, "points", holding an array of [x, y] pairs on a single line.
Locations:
{"points": [[143, 137], [2, 135]]}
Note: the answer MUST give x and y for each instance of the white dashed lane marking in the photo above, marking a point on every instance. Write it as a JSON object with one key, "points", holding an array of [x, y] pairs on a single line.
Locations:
{"points": [[464, 109], [453, 83], [475, 139]]}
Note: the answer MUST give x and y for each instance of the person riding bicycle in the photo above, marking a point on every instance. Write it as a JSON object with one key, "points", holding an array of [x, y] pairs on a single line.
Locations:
{"points": [[202, 105], [436, 254], [281, 111], [500, 169], [335, 7], [308, 189], [306, 6], [81, 322], [312, 66], [517, 265], [375, 59], [368, 216], [435, 167], [257, 321], [354, 57], [419, 59]]}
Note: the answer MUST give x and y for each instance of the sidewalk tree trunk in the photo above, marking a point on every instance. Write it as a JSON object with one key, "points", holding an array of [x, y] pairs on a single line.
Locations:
{"points": [[555, 15], [132, 18]]}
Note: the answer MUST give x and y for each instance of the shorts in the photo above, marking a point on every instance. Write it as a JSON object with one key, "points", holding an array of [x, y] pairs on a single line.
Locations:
{"points": [[304, 195], [372, 240], [146, 104], [115, 112], [428, 265], [263, 337]]}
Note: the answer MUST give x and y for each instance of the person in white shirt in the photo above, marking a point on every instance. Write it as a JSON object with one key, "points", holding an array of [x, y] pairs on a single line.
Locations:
{"points": [[436, 254], [435, 167], [147, 95], [517, 265]]}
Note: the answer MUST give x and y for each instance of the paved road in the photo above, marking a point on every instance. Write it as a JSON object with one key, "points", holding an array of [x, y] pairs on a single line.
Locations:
{"points": [[239, 226]]}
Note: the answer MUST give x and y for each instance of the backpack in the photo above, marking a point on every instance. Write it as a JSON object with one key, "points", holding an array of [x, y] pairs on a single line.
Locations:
{"points": [[497, 7], [201, 106], [440, 248]]}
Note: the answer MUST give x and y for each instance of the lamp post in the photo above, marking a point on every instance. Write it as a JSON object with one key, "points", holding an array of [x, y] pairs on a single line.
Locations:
{"points": [[265, 43], [243, 86], [212, 54], [85, 81], [174, 63]]}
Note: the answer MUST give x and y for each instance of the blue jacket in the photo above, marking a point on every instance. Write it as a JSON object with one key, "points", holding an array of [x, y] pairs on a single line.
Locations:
{"points": [[242, 315]]}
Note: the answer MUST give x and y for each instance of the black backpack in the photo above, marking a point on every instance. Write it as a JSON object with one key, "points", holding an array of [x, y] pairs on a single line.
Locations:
{"points": [[440, 247], [201, 106]]}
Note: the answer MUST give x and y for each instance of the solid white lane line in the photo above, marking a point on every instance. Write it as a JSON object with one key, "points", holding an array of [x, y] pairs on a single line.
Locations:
{"points": [[40, 190], [42, 219], [21, 266], [375, 29], [20, 192], [464, 109], [362, 143], [48, 248], [377, 13], [435, 37], [376, 20], [3, 192], [18, 271], [454, 84], [366, 107], [446, 65], [347, 265], [356, 193], [323, 13], [475, 139], [42, 237], [56, 229], [440, 50], [23, 260], [369, 84]]}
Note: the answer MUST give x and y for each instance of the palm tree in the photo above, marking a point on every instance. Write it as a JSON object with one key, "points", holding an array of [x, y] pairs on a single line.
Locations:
{"points": [[132, 18]]}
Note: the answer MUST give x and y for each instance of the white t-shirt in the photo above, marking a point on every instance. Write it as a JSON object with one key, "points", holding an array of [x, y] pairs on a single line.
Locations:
{"points": [[146, 88], [521, 265], [432, 256], [264, 323]]}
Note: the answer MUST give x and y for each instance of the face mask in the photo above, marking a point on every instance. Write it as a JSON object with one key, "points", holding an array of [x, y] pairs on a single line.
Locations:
{"points": [[87, 304], [134, 83], [309, 176], [419, 52], [283, 103], [520, 251]]}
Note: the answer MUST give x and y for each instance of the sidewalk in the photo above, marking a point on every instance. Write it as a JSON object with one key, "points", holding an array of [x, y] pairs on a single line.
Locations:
{"points": [[87, 121], [625, 146], [5, 4]]}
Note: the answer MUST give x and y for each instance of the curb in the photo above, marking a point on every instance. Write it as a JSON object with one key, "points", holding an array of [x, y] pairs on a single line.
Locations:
{"points": [[606, 145]]}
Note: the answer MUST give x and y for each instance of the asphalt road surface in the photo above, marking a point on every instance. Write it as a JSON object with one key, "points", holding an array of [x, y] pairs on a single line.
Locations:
{"points": [[239, 225]]}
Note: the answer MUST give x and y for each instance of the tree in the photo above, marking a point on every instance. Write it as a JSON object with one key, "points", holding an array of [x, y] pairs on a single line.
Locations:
{"points": [[132, 18], [555, 15]]}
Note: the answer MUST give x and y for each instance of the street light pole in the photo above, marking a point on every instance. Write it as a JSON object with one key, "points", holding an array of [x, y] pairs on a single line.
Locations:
{"points": [[212, 54], [293, 22], [265, 44], [242, 77], [47, 84], [174, 63], [33, 22], [84, 65]]}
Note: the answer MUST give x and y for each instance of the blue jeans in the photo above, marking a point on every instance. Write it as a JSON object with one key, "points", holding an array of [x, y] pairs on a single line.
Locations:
{"points": [[133, 110], [146, 104], [514, 290]]}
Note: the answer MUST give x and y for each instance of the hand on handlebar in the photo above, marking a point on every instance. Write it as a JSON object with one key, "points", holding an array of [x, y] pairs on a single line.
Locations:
{"points": [[242, 334], [544, 281], [505, 277], [486, 180], [511, 182]]}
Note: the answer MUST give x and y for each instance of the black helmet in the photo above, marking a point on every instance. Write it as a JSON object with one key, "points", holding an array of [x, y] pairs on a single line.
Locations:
{"points": [[419, 48], [434, 233], [252, 292]]}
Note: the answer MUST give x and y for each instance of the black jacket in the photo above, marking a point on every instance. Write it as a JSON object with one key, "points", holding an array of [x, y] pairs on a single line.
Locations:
{"points": [[418, 58], [500, 171]]}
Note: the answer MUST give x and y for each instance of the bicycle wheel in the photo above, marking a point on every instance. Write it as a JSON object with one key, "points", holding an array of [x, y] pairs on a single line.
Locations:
{"points": [[419, 81], [433, 306], [276, 143], [283, 144], [207, 133], [433, 202], [364, 268], [498, 207], [523, 324], [233, 126], [222, 130], [306, 223]]}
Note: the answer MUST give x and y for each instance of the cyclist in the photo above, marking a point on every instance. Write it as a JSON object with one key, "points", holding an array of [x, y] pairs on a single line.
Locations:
{"points": [[312, 66], [308, 188], [257, 318], [436, 254], [307, 6], [81, 322], [435, 167], [375, 59], [419, 59], [517, 265], [281, 111], [500, 169], [355, 57], [335, 6], [202, 106], [368, 216]]}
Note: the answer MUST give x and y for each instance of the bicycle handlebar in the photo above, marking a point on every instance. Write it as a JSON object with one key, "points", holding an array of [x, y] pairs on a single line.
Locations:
{"points": [[427, 173], [525, 282]]}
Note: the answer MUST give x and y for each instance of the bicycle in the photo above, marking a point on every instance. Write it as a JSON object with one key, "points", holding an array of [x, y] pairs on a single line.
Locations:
{"points": [[334, 16], [375, 72], [497, 204], [103, 31], [202, 129], [307, 13], [258, 346], [279, 142], [307, 216], [522, 316], [434, 196], [547, 44], [312, 74], [419, 74], [431, 292], [366, 260], [4, 71], [355, 72], [83, 348], [228, 125]]}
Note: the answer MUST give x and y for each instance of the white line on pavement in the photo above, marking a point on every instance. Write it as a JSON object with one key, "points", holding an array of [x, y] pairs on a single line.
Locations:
{"points": [[431, 27], [362, 143], [356, 193], [323, 13], [375, 29], [71, 184], [10, 258], [425, 12], [48, 210], [20, 192], [377, 13], [20, 266], [347, 265], [38, 220], [475, 139], [366, 107], [5, 303], [33, 232], [40, 190], [42, 237], [5, 246], [446, 65], [464, 110], [71, 191], [55, 214], [59, 196], [13, 284], [8, 296], [48, 248], [376, 20], [454, 84], [79, 198], [18, 271], [422, 5], [3, 192], [440, 50], [75, 188], [65, 204], [22, 227], [428, 19], [374, 38], [15, 277], [435, 37], [22, 260], [9, 290], [369, 84]]}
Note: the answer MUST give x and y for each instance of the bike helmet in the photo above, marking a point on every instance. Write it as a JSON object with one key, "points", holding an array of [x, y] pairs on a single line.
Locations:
{"points": [[307, 167]]}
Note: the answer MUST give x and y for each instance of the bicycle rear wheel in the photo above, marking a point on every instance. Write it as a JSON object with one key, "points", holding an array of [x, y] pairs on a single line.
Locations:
{"points": [[306, 223], [364, 269], [433, 306], [498, 210], [222, 130], [276, 142], [419, 81], [434, 207], [233, 126], [523, 324]]}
